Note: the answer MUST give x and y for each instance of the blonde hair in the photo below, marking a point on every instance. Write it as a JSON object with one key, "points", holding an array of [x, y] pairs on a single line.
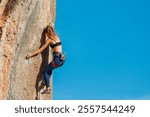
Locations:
{"points": [[50, 31]]}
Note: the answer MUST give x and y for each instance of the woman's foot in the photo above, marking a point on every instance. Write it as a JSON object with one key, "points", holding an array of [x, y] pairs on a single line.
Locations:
{"points": [[46, 91]]}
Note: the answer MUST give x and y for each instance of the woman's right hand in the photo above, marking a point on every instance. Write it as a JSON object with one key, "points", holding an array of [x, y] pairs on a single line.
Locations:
{"points": [[52, 25]]}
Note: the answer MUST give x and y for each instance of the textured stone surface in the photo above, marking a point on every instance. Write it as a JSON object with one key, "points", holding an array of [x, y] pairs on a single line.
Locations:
{"points": [[21, 26]]}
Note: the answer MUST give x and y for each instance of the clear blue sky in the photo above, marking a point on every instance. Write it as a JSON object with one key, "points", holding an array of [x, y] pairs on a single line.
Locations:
{"points": [[107, 43]]}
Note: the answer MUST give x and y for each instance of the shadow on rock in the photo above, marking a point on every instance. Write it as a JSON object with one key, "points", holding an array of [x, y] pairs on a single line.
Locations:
{"points": [[40, 83]]}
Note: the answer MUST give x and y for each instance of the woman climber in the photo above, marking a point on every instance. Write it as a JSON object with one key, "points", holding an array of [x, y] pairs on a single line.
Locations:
{"points": [[58, 57]]}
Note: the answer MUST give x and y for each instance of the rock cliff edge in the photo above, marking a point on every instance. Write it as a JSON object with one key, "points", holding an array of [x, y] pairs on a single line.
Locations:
{"points": [[21, 26]]}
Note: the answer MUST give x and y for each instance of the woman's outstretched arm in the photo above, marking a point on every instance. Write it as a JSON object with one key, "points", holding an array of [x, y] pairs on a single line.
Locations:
{"points": [[29, 55]]}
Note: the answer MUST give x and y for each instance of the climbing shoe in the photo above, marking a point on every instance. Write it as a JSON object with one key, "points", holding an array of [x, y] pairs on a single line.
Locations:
{"points": [[46, 91]]}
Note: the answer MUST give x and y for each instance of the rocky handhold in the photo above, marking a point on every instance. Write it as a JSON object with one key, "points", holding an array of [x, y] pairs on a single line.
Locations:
{"points": [[21, 26]]}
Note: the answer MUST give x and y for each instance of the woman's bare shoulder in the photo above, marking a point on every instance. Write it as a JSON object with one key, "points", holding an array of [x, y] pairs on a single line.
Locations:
{"points": [[57, 38]]}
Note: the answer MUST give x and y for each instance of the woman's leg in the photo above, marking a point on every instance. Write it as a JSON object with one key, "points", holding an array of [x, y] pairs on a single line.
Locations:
{"points": [[48, 71], [47, 74]]}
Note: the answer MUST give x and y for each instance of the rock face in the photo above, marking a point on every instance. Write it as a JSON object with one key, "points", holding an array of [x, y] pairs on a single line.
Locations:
{"points": [[21, 26]]}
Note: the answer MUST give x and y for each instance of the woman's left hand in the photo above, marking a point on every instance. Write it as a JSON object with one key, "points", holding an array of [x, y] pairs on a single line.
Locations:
{"points": [[28, 56]]}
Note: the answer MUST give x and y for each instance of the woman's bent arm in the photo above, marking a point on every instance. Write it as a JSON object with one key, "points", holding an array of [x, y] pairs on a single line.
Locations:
{"points": [[39, 50]]}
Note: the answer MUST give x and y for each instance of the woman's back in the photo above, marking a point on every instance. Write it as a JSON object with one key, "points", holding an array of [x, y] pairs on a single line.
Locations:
{"points": [[55, 43]]}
